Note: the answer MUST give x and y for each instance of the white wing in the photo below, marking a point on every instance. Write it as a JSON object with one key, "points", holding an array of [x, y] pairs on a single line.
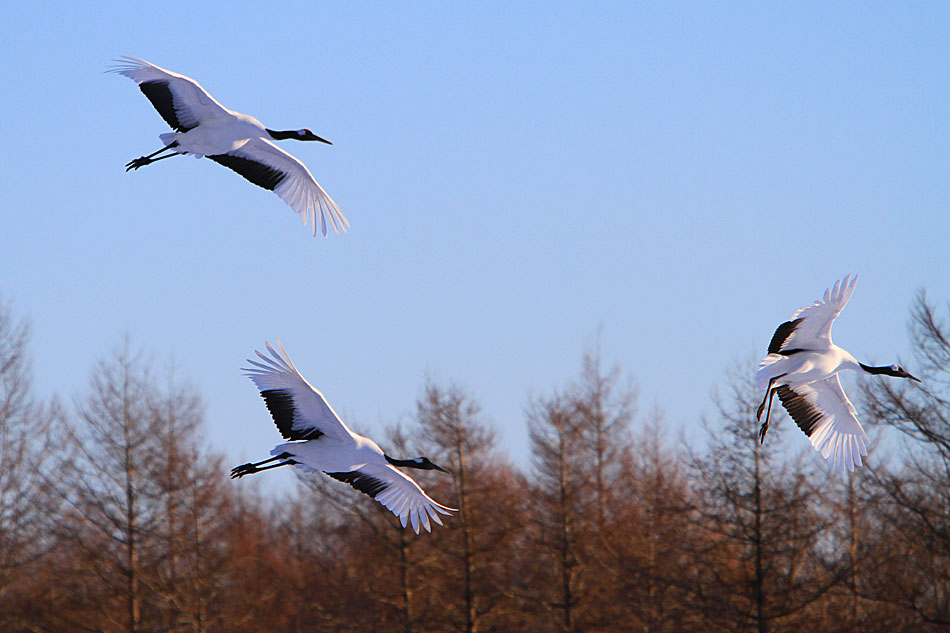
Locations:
{"points": [[181, 100], [269, 166], [299, 410], [398, 492], [822, 410], [812, 324]]}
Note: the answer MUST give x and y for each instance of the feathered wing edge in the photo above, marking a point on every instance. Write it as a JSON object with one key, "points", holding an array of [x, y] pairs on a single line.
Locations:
{"points": [[820, 315], [191, 103], [309, 203], [266, 375], [394, 490], [838, 295], [279, 372], [413, 506], [839, 436], [301, 191]]}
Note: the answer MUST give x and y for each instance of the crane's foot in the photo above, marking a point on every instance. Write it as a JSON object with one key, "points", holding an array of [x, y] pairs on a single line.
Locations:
{"points": [[138, 162], [244, 469], [762, 431]]}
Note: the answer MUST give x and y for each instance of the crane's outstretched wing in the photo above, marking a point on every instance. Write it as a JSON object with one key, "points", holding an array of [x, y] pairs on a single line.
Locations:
{"points": [[810, 327], [823, 412], [180, 100], [398, 492], [270, 167], [299, 410]]}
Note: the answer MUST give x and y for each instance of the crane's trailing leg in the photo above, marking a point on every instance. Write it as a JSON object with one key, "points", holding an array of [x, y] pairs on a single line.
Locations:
{"points": [[247, 469], [769, 393], [145, 160]]}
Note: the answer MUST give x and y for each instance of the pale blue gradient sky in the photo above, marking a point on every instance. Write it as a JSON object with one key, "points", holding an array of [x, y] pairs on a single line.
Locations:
{"points": [[677, 177]]}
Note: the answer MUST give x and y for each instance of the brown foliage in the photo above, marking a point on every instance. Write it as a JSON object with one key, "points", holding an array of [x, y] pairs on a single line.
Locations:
{"points": [[610, 529]]}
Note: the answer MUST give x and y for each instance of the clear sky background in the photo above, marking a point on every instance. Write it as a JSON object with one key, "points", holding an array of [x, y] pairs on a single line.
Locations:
{"points": [[523, 180]]}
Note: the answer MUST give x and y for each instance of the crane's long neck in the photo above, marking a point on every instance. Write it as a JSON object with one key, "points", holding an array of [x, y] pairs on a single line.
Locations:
{"points": [[404, 463], [886, 369], [282, 135]]}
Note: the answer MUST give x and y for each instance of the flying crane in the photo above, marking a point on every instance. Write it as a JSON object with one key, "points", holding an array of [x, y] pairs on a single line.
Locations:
{"points": [[319, 441], [802, 367], [205, 128]]}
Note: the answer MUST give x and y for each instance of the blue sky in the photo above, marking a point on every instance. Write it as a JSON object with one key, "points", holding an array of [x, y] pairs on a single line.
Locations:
{"points": [[673, 179]]}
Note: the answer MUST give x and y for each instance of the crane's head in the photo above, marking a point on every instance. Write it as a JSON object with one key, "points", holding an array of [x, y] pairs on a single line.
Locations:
{"points": [[297, 135], [425, 464], [307, 135], [899, 372], [889, 370]]}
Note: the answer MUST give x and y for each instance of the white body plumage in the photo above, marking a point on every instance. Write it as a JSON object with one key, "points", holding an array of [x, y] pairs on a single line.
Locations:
{"points": [[330, 454], [804, 367]]}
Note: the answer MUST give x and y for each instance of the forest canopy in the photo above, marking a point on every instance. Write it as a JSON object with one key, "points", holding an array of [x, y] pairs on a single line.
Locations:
{"points": [[115, 516]]}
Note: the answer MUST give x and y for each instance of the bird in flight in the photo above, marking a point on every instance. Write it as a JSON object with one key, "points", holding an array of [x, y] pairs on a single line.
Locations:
{"points": [[319, 441], [802, 367], [205, 128]]}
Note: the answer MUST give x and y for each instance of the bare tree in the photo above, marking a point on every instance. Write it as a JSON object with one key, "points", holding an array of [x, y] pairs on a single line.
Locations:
{"points": [[476, 560], [24, 452], [563, 495], [760, 562], [913, 503], [649, 568], [144, 505], [190, 486], [605, 416], [394, 589]]}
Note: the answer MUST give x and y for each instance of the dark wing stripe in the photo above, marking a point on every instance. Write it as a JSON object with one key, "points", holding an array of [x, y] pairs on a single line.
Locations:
{"points": [[363, 483], [781, 336], [161, 98], [280, 403], [806, 415], [260, 174]]}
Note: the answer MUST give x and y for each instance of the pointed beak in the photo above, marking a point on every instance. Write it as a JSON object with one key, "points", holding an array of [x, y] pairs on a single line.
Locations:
{"points": [[322, 140], [437, 467], [914, 378]]}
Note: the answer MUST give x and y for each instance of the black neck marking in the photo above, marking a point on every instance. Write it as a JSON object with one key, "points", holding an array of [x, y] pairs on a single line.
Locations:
{"points": [[282, 135], [404, 463], [886, 369]]}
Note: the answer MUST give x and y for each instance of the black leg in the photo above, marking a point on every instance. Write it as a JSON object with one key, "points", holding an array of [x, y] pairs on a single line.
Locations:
{"points": [[765, 425], [769, 393], [145, 160]]}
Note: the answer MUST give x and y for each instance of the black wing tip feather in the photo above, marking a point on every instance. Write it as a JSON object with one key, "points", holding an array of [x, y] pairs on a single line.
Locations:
{"points": [[158, 92], [806, 415], [280, 403], [782, 334], [362, 482], [262, 175]]}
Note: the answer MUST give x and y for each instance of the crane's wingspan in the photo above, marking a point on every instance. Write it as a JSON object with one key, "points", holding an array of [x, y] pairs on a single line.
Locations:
{"points": [[180, 100], [810, 327], [398, 492], [270, 167], [299, 410], [823, 412]]}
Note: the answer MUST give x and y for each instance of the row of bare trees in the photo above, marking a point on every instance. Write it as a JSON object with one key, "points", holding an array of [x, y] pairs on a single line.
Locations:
{"points": [[115, 517]]}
